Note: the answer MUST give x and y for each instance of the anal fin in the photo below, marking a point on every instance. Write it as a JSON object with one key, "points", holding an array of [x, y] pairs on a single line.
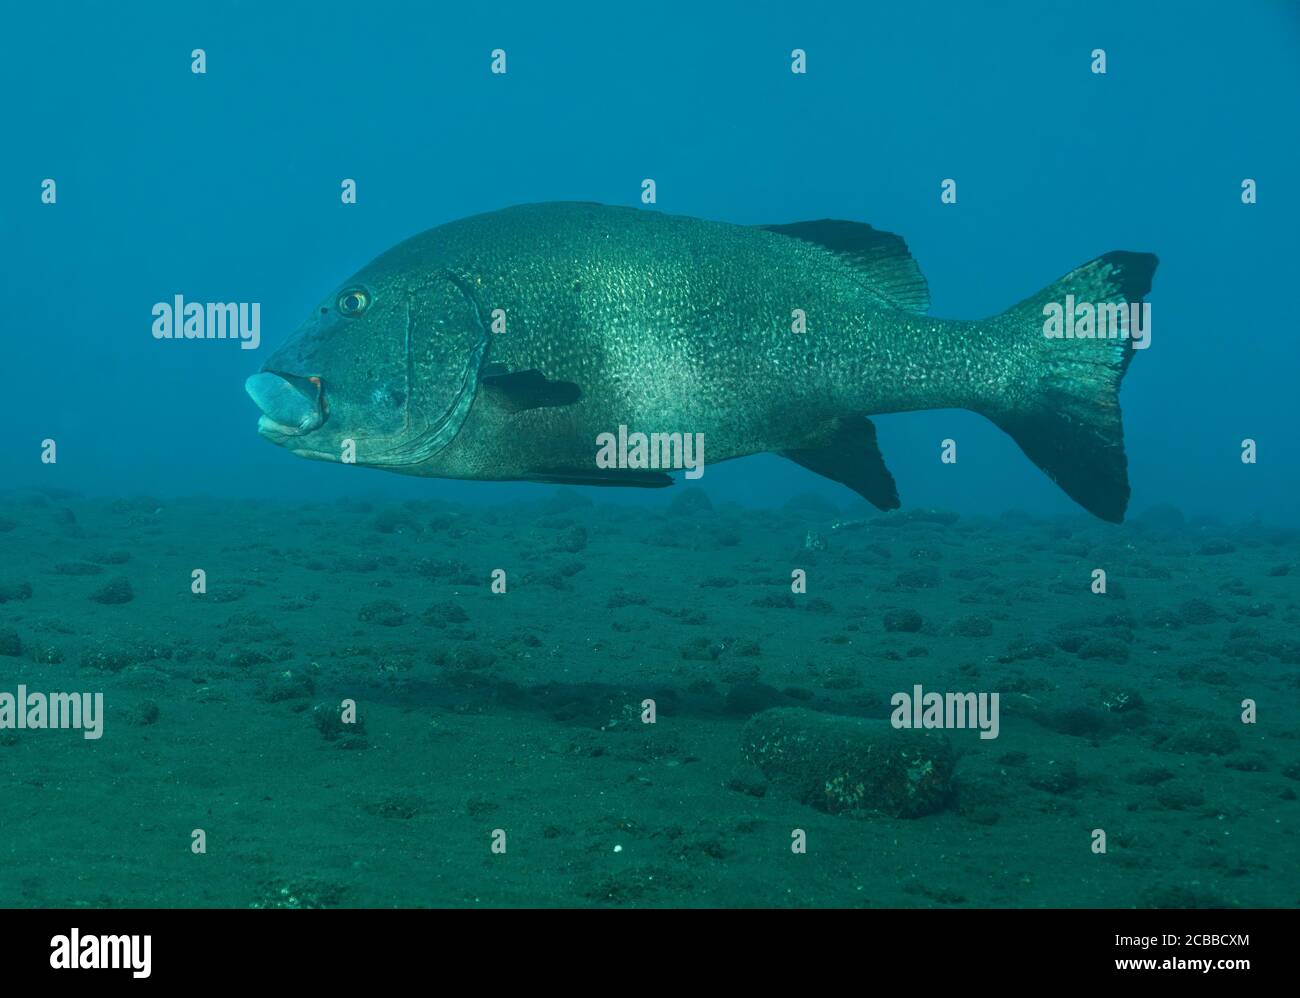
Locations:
{"points": [[851, 456]]}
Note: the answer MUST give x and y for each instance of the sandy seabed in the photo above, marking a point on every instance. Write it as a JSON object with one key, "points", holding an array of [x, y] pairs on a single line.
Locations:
{"points": [[485, 717]]}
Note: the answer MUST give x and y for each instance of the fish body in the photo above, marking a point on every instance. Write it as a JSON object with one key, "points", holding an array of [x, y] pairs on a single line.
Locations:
{"points": [[506, 345]]}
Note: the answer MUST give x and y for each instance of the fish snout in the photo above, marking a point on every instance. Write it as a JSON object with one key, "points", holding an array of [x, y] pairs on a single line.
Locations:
{"points": [[291, 405]]}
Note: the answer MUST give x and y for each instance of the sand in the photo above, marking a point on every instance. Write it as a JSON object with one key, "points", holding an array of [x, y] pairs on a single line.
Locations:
{"points": [[515, 718]]}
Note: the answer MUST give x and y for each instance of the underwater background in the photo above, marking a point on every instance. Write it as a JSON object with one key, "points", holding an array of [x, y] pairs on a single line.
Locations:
{"points": [[482, 712]]}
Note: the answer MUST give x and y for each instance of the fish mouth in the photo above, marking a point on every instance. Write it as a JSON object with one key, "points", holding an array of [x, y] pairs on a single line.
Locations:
{"points": [[291, 405]]}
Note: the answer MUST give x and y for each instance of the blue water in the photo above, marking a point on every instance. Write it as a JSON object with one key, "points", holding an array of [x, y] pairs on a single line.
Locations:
{"points": [[225, 187], [522, 710]]}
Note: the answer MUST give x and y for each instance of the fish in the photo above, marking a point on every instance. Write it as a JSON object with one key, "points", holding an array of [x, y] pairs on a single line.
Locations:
{"points": [[507, 345]]}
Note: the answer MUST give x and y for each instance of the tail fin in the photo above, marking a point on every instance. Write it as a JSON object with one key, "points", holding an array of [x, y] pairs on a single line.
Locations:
{"points": [[1068, 422]]}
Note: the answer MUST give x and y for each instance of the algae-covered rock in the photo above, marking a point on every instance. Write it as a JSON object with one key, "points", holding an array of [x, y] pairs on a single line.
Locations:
{"points": [[849, 765]]}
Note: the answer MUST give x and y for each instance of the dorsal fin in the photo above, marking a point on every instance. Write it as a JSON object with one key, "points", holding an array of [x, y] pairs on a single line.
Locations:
{"points": [[883, 259]]}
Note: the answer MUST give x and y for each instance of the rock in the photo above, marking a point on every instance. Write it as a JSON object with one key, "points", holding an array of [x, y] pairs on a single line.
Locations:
{"points": [[922, 577], [1151, 776], [1179, 896], [1120, 700], [690, 502], [385, 612], [113, 659], [465, 659], [11, 645], [445, 613], [747, 779], [329, 721], [110, 558], [572, 540], [143, 714], [1179, 796], [114, 593], [748, 696], [908, 621], [1054, 777], [972, 626], [12, 591], [1023, 650], [397, 521], [1198, 611], [282, 686], [78, 568], [1246, 762], [970, 573], [46, 653], [847, 765], [1108, 649], [300, 895], [1080, 722], [1204, 738], [701, 649]]}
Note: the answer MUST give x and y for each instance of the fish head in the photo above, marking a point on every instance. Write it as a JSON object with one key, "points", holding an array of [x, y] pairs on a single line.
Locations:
{"points": [[382, 373]]}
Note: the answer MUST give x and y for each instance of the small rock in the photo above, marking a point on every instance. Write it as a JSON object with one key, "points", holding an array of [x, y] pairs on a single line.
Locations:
{"points": [[11, 645], [114, 593], [282, 686], [690, 502], [572, 540], [14, 591], [849, 765], [385, 612], [905, 620], [328, 719], [78, 568], [973, 626], [143, 714], [1207, 738]]}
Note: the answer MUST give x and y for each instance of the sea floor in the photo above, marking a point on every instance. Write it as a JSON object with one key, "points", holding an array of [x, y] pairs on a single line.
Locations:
{"points": [[515, 718]]}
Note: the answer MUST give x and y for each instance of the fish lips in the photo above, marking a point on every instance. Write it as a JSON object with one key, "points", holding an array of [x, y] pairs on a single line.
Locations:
{"points": [[292, 405]]}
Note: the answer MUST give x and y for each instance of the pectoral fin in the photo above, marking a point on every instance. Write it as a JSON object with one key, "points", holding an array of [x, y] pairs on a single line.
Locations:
{"points": [[520, 390], [850, 455]]}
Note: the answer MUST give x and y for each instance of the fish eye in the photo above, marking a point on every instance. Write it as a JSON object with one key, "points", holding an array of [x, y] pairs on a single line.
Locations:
{"points": [[353, 302]]}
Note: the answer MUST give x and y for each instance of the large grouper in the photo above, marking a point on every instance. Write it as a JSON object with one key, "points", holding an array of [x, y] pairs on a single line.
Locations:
{"points": [[506, 345]]}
